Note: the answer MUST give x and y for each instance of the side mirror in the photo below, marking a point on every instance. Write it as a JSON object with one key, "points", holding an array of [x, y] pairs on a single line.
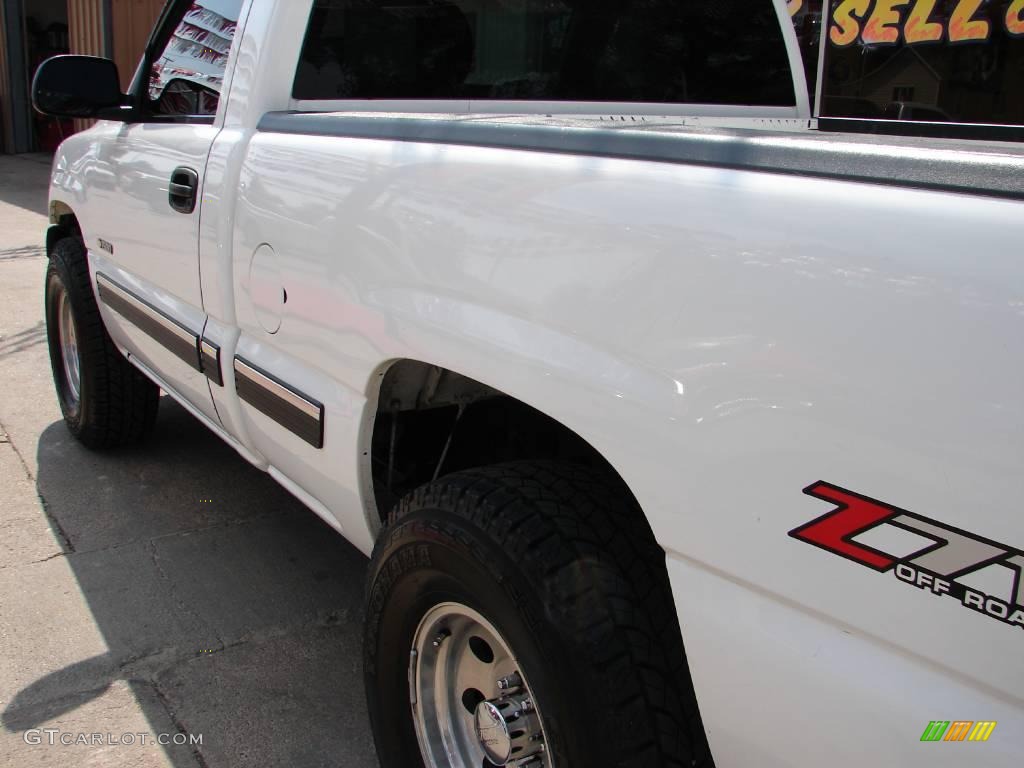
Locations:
{"points": [[78, 86]]}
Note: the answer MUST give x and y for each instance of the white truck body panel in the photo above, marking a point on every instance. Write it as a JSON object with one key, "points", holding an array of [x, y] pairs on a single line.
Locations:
{"points": [[680, 340], [724, 337]]}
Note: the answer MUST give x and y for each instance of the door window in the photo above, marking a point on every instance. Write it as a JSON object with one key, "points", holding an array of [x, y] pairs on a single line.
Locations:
{"points": [[668, 51], [186, 77]]}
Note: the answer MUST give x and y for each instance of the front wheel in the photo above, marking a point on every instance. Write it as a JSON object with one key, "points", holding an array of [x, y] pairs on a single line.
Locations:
{"points": [[520, 615], [105, 400]]}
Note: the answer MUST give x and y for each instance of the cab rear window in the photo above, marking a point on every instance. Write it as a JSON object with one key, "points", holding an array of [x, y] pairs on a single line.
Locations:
{"points": [[668, 51], [926, 61]]}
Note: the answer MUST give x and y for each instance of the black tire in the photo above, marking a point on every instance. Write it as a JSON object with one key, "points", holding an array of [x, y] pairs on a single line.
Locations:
{"points": [[564, 565], [116, 404]]}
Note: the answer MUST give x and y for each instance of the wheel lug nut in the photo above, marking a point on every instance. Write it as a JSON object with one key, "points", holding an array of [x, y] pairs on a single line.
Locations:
{"points": [[510, 683], [441, 636], [525, 708]]}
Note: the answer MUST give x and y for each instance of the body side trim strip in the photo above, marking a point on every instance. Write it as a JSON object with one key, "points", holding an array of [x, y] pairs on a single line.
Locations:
{"points": [[922, 163], [293, 410], [209, 358], [163, 329]]}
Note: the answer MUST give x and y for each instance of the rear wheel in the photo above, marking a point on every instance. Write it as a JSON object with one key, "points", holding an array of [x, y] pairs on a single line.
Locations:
{"points": [[105, 400], [520, 615], [472, 697]]}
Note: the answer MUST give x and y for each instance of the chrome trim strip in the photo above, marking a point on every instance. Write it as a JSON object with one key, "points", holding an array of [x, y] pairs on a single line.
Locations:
{"points": [[299, 414], [209, 357], [163, 329], [309, 407], [171, 325]]}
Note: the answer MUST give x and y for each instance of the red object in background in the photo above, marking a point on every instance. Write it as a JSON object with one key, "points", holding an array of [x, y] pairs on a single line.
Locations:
{"points": [[42, 44], [50, 132]]}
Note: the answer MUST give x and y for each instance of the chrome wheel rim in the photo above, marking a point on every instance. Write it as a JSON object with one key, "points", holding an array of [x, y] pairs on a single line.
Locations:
{"points": [[472, 705], [69, 349]]}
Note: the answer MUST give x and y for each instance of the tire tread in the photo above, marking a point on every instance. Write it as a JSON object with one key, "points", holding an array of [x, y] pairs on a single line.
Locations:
{"points": [[556, 519]]}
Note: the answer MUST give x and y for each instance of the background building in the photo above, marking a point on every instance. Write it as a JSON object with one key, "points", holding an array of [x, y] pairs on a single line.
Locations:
{"points": [[32, 30]]}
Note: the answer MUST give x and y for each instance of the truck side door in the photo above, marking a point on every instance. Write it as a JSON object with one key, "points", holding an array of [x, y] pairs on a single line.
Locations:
{"points": [[148, 225]]}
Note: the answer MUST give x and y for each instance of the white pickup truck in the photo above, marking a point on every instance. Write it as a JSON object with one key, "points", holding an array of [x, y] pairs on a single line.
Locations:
{"points": [[605, 327]]}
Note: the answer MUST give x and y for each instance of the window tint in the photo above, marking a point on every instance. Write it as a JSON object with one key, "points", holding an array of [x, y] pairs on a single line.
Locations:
{"points": [[926, 60], [698, 51], [187, 77]]}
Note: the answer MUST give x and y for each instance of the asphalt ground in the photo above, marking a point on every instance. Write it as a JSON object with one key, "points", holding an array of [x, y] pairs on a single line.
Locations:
{"points": [[166, 589]]}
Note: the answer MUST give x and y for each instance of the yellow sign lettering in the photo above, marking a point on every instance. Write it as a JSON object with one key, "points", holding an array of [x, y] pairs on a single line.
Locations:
{"points": [[964, 27], [918, 29], [883, 25], [886, 22], [1015, 18], [846, 22]]}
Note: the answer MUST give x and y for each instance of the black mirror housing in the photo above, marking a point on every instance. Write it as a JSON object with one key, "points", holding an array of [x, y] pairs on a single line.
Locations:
{"points": [[78, 86]]}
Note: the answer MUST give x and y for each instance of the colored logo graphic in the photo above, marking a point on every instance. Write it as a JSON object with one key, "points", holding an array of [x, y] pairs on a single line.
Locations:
{"points": [[958, 730], [946, 555]]}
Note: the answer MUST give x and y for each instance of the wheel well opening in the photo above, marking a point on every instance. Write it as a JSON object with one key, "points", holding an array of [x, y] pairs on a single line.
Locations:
{"points": [[432, 421], [66, 226]]}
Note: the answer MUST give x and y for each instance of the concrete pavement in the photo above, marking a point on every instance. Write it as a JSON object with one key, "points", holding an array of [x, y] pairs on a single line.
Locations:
{"points": [[166, 589]]}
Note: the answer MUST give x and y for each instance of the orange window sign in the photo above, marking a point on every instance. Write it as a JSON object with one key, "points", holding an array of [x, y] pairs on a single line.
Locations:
{"points": [[889, 22]]}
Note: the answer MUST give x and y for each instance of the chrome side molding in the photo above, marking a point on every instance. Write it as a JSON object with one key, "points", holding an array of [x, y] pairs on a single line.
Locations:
{"points": [[299, 414], [209, 359], [167, 331], [199, 353]]}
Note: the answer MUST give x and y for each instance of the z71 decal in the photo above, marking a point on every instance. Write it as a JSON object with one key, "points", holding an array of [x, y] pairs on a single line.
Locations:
{"points": [[951, 555]]}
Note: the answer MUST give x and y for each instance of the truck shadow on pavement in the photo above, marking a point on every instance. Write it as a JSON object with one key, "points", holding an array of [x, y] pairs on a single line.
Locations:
{"points": [[18, 342], [227, 607]]}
